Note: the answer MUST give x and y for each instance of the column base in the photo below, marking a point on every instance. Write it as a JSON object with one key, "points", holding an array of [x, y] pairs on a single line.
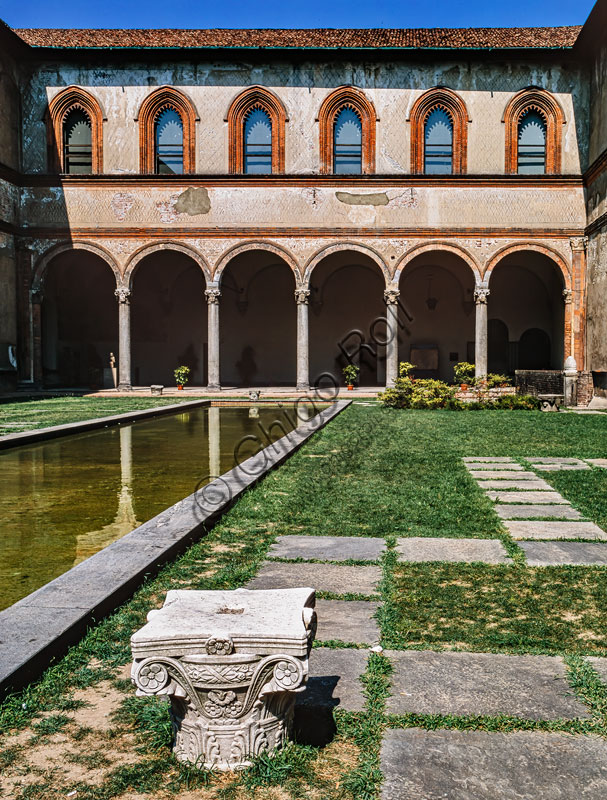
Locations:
{"points": [[303, 387], [213, 387], [124, 387]]}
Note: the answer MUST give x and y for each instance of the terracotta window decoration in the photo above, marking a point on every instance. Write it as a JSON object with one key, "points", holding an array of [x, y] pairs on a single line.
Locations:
{"points": [[533, 121], [256, 132], [347, 133], [438, 143], [439, 134], [167, 133], [77, 143], [74, 123], [257, 142], [169, 143], [347, 143]]}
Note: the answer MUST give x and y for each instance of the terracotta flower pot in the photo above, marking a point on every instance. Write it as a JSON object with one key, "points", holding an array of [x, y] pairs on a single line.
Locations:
{"points": [[463, 387], [350, 387], [179, 387]]}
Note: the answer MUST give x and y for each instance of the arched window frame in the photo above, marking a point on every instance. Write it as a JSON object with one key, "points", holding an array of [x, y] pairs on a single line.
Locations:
{"points": [[546, 105], [353, 98], [454, 106], [71, 99], [247, 101], [153, 105]]}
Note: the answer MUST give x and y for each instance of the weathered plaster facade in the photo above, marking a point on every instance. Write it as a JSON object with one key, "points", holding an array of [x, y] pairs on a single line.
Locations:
{"points": [[208, 253]]}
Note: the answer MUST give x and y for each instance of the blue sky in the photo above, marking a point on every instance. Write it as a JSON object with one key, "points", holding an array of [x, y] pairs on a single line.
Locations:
{"points": [[281, 14]]}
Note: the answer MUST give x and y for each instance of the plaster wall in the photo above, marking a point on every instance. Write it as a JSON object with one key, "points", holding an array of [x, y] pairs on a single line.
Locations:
{"points": [[486, 87]]}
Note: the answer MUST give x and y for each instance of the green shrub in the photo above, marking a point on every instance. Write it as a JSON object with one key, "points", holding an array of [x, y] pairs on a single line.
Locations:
{"points": [[463, 372], [430, 393], [493, 379]]}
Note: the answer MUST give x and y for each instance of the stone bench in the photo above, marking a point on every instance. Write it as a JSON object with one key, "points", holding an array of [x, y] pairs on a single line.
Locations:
{"points": [[231, 663]]}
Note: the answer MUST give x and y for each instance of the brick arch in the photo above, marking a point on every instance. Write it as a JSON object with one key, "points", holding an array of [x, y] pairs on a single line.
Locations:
{"points": [[42, 264], [347, 97], [534, 99], [230, 254], [320, 255], [454, 106], [250, 99], [154, 104], [433, 247], [557, 258], [74, 97], [157, 247]]}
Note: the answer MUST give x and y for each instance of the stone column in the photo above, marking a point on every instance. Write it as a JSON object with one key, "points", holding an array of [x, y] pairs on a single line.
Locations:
{"points": [[123, 295], [481, 345], [303, 364], [569, 343], [578, 313], [36, 297], [213, 293], [570, 376], [391, 296], [25, 364]]}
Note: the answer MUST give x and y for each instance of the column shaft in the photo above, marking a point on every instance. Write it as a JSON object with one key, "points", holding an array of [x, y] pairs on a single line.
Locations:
{"points": [[481, 344], [123, 296], [391, 336], [213, 382], [303, 354]]}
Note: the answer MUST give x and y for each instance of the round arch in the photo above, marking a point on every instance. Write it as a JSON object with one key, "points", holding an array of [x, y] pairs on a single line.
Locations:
{"points": [[524, 246], [157, 247], [431, 247], [345, 247], [238, 249], [45, 259]]}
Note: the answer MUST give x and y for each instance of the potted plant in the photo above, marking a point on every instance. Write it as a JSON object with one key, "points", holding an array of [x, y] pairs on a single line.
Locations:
{"points": [[351, 375], [463, 373], [182, 376]]}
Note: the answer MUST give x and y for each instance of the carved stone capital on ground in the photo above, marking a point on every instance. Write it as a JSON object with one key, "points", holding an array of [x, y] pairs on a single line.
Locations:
{"points": [[391, 296], [578, 243], [212, 295], [568, 296], [481, 293], [123, 294], [231, 663], [302, 296]]}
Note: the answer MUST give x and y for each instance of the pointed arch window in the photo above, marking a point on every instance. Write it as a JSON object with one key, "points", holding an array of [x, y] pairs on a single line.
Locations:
{"points": [[169, 143], [74, 124], [347, 143], [438, 143], [347, 133], [534, 123], [257, 142], [439, 133], [77, 143]]}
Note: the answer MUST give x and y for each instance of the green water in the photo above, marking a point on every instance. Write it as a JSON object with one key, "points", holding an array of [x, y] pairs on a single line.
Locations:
{"points": [[63, 500]]}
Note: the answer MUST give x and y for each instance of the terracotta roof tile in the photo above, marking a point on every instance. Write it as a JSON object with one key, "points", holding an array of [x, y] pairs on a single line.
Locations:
{"points": [[481, 38]]}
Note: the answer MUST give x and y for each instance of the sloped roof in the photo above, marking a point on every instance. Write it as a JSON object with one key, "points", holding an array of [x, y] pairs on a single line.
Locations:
{"points": [[406, 38]]}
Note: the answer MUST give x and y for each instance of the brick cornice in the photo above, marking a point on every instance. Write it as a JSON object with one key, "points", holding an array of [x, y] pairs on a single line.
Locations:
{"points": [[598, 166]]}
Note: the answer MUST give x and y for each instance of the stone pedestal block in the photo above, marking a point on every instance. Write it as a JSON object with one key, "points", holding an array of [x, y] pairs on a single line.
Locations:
{"points": [[231, 663]]}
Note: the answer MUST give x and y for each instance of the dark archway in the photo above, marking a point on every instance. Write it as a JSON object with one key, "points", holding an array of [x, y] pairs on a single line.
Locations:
{"points": [[79, 321], [347, 318], [437, 291], [534, 349], [499, 347], [169, 319], [258, 321]]}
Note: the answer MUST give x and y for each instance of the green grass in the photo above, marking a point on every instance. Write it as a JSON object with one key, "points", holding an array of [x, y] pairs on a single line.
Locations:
{"points": [[27, 415]]}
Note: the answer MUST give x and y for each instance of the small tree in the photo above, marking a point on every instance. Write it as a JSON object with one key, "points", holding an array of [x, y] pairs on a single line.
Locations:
{"points": [[351, 374], [182, 375], [463, 372]]}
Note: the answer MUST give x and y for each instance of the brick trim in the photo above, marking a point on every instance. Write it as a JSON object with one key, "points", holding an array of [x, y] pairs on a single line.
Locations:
{"points": [[58, 108], [545, 104], [161, 99], [252, 98], [350, 97], [455, 107]]}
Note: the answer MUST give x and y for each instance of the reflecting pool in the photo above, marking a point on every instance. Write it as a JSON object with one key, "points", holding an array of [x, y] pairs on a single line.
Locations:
{"points": [[65, 499]]}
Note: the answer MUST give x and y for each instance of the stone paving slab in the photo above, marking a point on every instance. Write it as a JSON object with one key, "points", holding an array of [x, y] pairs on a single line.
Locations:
{"points": [[530, 687], [553, 460], [502, 475], [528, 497], [321, 577], [475, 765], [598, 462], [421, 548], [524, 485], [559, 467], [494, 465], [543, 554], [542, 529], [334, 679], [506, 511], [490, 459], [328, 548], [347, 621]]}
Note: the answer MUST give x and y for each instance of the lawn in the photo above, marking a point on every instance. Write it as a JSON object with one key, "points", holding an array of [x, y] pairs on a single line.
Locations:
{"points": [[371, 472], [26, 415]]}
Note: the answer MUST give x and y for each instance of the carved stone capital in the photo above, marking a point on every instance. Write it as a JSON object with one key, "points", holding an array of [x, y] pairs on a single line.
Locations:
{"points": [[213, 295], [123, 294], [481, 293], [578, 243], [302, 296], [391, 296], [568, 296], [36, 295]]}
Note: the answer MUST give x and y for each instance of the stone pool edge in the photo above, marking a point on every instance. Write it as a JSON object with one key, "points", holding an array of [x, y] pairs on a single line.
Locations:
{"points": [[70, 428], [38, 629]]}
